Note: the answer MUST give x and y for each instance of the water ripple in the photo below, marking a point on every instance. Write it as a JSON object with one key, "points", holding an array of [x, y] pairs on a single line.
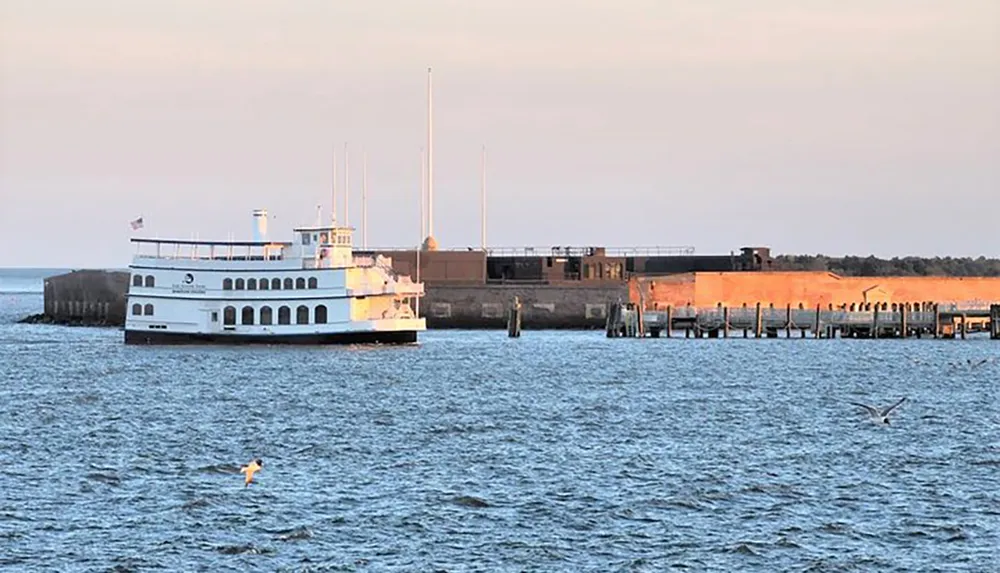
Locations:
{"points": [[555, 452]]}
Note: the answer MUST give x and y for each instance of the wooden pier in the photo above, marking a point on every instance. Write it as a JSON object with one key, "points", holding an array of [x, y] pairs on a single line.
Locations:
{"points": [[759, 321]]}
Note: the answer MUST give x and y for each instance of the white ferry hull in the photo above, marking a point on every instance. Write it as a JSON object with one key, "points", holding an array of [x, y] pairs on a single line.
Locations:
{"points": [[315, 338]]}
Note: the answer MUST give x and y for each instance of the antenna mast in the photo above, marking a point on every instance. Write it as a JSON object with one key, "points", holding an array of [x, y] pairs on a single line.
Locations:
{"points": [[333, 208], [430, 156], [347, 189], [364, 199], [483, 199]]}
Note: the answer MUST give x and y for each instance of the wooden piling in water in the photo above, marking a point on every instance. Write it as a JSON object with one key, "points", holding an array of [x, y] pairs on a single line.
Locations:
{"points": [[514, 319], [875, 322], [902, 321], [816, 330], [725, 322], [759, 323], [670, 319], [964, 325], [995, 322], [788, 320], [937, 321]]}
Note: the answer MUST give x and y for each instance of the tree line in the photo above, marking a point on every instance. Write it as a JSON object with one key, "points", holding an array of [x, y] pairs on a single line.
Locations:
{"points": [[871, 266]]}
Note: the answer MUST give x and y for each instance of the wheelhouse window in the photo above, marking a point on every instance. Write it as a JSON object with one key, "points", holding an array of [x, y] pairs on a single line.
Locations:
{"points": [[227, 284], [284, 315], [246, 315], [251, 284], [150, 281], [275, 284], [148, 310], [137, 310], [288, 284], [300, 283], [240, 285], [320, 314], [302, 315], [312, 282], [229, 316], [137, 280], [265, 284]]}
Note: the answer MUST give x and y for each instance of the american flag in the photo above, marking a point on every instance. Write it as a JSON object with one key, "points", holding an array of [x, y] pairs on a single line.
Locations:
{"points": [[136, 224]]}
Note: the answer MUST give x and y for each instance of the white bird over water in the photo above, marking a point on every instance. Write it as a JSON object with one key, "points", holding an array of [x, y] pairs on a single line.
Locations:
{"points": [[880, 416]]}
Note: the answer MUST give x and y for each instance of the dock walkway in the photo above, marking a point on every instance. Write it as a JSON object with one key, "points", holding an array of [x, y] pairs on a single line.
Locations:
{"points": [[940, 321]]}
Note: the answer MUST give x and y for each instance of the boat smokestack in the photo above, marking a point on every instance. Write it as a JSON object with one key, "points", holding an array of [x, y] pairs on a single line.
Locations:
{"points": [[260, 225]]}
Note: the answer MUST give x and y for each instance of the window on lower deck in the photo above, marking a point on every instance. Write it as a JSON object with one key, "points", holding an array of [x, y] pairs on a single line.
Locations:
{"points": [[136, 310], [302, 315], [320, 314], [246, 315], [266, 317], [148, 310], [284, 315], [229, 316]]}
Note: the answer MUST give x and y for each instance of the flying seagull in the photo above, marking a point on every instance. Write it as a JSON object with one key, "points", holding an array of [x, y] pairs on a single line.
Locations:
{"points": [[253, 467], [880, 416]]}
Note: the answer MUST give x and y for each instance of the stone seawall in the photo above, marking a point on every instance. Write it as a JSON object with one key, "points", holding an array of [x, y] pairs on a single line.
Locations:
{"points": [[543, 306], [98, 298], [86, 298]]}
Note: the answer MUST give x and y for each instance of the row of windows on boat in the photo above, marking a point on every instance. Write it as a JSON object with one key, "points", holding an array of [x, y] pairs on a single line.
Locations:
{"points": [[149, 281], [249, 315]]}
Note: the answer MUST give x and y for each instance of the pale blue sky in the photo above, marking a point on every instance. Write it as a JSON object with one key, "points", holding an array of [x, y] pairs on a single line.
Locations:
{"points": [[834, 126]]}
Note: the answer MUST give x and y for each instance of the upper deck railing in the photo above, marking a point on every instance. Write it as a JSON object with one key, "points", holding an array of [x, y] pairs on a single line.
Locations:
{"points": [[568, 251], [209, 250]]}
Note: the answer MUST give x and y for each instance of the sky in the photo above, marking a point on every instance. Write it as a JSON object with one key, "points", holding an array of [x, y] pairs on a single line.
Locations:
{"points": [[823, 126]]}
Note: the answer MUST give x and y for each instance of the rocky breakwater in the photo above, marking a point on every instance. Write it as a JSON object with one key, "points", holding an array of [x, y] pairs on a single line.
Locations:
{"points": [[84, 298]]}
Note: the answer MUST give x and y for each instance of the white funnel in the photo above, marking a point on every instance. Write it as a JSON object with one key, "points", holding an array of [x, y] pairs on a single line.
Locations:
{"points": [[259, 225]]}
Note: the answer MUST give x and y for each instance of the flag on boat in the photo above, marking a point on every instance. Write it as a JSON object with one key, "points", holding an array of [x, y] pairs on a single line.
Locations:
{"points": [[136, 224]]}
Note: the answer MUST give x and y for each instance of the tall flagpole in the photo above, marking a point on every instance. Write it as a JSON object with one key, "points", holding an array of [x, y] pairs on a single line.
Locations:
{"points": [[423, 193], [430, 156], [347, 189], [333, 208], [421, 238], [364, 199], [483, 200]]}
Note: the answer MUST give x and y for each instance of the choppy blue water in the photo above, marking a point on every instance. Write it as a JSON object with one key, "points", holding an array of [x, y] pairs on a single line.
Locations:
{"points": [[472, 452]]}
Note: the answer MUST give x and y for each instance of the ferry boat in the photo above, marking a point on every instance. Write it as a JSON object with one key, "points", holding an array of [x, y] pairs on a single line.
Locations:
{"points": [[313, 290]]}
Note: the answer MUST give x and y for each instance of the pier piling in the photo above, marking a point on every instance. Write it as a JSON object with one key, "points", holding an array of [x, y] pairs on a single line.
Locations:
{"points": [[514, 319]]}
